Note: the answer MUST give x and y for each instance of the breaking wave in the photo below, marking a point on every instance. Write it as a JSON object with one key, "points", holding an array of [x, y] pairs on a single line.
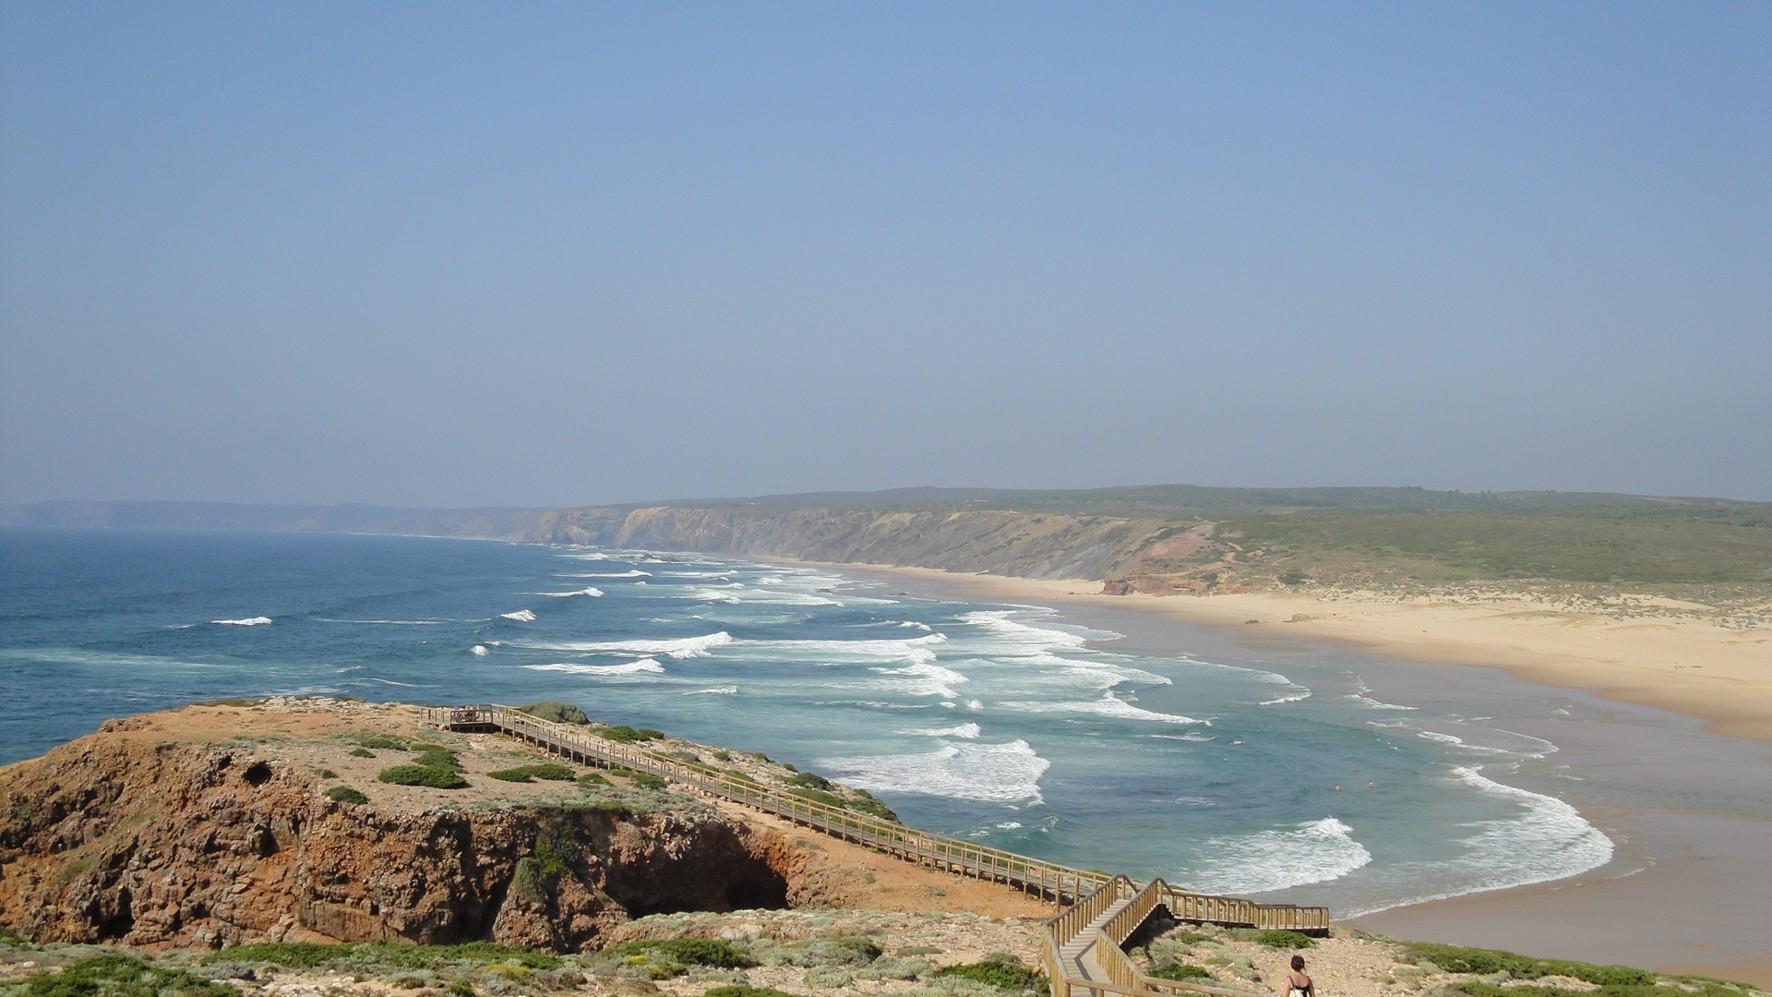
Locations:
{"points": [[520, 616], [681, 647], [990, 773], [250, 621], [1312, 852], [627, 668]]}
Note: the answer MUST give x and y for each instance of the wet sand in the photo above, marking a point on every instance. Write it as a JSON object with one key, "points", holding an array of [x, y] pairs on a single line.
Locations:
{"points": [[1689, 809]]}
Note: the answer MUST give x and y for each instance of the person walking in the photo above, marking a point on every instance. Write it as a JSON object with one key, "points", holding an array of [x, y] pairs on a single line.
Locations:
{"points": [[1297, 983]]}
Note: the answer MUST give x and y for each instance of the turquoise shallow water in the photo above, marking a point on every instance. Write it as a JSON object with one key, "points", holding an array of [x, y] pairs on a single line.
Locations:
{"points": [[1004, 723]]}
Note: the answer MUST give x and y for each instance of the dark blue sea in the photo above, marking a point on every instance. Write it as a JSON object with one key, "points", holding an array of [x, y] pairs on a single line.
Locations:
{"points": [[1004, 723]]}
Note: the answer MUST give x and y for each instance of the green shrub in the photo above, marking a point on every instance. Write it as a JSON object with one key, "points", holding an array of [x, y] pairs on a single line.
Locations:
{"points": [[1294, 577], [809, 779], [386, 742], [590, 779], [1181, 971], [740, 990], [996, 972], [119, 976], [552, 771], [646, 780], [624, 734], [818, 796], [847, 950], [558, 712], [436, 756], [528, 882], [435, 777], [309, 955], [1277, 939], [866, 803], [722, 756], [345, 794], [685, 952], [328, 774], [362, 753], [1482, 962]]}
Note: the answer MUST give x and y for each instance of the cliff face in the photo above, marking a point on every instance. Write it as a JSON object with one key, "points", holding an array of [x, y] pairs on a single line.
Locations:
{"points": [[110, 838], [1034, 545]]}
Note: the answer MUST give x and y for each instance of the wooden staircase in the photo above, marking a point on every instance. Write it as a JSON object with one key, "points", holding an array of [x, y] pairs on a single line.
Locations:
{"points": [[1082, 944]]}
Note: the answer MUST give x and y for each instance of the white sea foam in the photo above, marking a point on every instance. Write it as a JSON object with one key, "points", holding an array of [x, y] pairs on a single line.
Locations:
{"points": [[841, 652], [1009, 825], [406, 685], [392, 623], [634, 573], [968, 731], [1108, 705], [250, 621], [721, 690], [1298, 692], [914, 625], [680, 647], [520, 616], [592, 591], [1316, 851], [974, 705], [479, 651], [723, 576], [920, 678], [1546, 840], [626, 668], [1197, 738], [118, 659], [1459, 742], [991, 773], [595, 555]]}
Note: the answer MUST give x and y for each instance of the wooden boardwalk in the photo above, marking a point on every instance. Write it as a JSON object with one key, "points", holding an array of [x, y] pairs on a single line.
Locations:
{"points": [[1082, 944]]}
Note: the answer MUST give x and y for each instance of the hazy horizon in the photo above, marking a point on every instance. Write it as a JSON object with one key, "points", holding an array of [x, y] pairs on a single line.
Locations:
{"points": [[451, 256]]}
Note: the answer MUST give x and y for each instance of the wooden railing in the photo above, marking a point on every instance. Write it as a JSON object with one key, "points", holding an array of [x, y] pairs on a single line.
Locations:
{"points": [[1086, 894]]}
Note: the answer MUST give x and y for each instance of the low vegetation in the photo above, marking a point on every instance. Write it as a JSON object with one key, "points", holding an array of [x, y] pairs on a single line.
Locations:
{"points": [[623, 734], [433, 766], [346, 794], [1002, 971], [556, 711], [118, 976], [550, 771], [1276, 939]]}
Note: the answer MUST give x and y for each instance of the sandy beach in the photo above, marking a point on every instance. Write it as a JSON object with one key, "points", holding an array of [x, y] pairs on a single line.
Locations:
{"points": [[1693, 666], [1674, 766]]}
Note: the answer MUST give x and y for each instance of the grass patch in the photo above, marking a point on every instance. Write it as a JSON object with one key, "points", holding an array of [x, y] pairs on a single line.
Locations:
{"points": [[643, 780], [591, 780], [345, 794], [1482, 962], [623, 734], [1277, 939], [119, 976], [430, 776], [385, 742], [740, 990], [362, 753], [433, 766], [556, 711], [1180, 971], [551, 771], [687, 952], [995, 972], [310, 955], [810, 780]]}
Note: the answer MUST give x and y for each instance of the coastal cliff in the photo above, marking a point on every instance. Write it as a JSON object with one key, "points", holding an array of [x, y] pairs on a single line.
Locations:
{"points": [[999, 541], [164, 829]]}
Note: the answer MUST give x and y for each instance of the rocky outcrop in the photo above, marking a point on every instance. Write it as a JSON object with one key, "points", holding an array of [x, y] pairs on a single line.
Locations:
{"points": [[111, 838], [1000, 541]]}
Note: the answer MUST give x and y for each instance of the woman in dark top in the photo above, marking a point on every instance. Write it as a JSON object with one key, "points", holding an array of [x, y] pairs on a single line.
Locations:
{"points": [[1297, 983]]}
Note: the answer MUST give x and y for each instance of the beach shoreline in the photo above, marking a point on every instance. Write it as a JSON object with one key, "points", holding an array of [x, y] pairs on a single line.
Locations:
{"points": [[1697, 668], [1682, 858]]}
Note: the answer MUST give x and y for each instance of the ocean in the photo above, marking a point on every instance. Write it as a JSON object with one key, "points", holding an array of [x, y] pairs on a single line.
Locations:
{"points": [[1209, 764]]}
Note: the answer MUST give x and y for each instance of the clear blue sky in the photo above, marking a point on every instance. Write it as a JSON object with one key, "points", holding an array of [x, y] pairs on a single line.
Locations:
{"points": [[447, 254]]}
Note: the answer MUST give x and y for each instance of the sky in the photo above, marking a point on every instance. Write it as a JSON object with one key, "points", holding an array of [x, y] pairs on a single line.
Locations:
{"points": [[454, 254]]}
